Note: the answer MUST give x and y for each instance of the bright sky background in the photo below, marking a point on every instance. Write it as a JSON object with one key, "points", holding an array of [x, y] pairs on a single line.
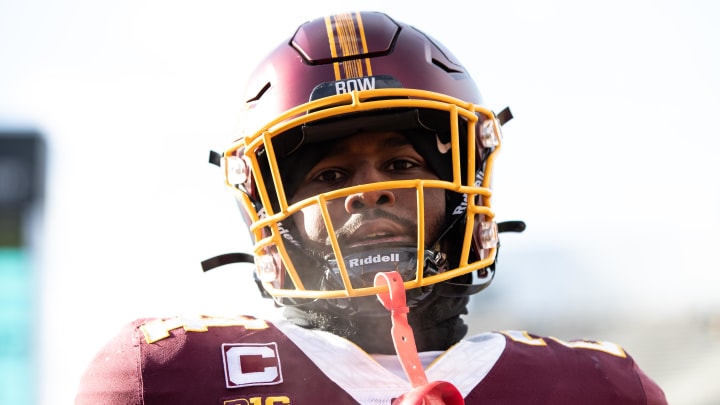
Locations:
{"points": [[611, 159]]}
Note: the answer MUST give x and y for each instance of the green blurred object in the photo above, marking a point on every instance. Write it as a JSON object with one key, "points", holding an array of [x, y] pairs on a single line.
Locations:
{"points": [[16, 340], [22, 167]]}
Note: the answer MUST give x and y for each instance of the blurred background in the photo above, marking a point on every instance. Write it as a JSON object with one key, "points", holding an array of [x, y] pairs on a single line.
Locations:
{"points": [[108, 205]]}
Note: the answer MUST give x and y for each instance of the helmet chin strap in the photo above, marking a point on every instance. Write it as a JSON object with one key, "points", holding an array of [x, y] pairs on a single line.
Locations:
{"points": [[362, 268], [423, 392]]}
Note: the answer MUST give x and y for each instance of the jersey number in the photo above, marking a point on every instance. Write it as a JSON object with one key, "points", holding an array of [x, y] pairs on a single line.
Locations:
{"points": [[159, 329], [607, 347], [259, 401]]}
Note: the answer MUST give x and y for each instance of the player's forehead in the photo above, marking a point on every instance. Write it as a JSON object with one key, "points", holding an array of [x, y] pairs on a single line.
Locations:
{"points": [[368, 142]]}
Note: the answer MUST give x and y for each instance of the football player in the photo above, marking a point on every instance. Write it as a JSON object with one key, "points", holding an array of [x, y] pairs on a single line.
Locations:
{"points": [[363, 171]]}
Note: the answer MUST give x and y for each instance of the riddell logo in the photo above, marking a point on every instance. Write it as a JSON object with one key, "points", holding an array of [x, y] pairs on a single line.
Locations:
{"points": [[462, 207], [251, 364], [392, 257]]}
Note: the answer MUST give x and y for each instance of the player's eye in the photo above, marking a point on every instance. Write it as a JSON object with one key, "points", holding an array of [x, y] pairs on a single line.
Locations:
{"points": [[402, 164], [329, 176]]}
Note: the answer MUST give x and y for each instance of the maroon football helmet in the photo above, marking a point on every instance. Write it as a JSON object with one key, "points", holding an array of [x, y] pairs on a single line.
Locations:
{"points": [[337, 76]]}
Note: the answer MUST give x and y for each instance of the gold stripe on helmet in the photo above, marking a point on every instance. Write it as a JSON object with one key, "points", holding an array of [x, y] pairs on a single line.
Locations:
{"points": [[343, 31]]}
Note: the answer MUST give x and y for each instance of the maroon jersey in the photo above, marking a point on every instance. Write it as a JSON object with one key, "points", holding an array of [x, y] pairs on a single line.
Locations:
{"points": [[243, 360]]}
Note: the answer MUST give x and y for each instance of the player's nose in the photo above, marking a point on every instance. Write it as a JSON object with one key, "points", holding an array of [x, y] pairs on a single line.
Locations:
{"points": [[369, 199]]}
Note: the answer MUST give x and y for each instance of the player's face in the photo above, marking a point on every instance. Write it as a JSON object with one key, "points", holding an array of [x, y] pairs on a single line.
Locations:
{"points": [[373, 218]]}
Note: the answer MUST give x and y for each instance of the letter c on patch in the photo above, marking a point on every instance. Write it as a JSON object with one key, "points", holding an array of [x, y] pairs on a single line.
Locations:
{"points": [[236, 377]]}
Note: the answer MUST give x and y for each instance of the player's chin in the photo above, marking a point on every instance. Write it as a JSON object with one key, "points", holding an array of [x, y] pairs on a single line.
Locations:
{"points": [[363, 306]]}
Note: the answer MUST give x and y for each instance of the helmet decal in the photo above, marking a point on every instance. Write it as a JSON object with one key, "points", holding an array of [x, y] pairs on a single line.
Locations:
{"points": [[343, 86], [346, 37]]}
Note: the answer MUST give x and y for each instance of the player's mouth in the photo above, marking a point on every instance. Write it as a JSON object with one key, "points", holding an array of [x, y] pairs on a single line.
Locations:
{"points": [[378, 232]]}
